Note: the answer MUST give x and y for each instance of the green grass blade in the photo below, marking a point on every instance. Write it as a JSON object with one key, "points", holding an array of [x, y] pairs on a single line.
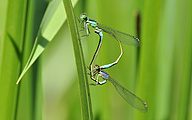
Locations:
{"points": [[190, 104], [148, 58], [185, 84], [83, 83], [11, 42], [51, 23], [29, 98], [164, 64]]}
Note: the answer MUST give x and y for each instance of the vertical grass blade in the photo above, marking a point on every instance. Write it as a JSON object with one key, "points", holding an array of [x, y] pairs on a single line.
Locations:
{"points": [[29, 101], [11, 42], [186, 81], [148, 59], [83, 83]]}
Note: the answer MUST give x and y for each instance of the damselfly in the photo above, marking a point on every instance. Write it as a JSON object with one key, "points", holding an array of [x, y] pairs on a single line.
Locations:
{"points": [[119, 36], [128, 96]]}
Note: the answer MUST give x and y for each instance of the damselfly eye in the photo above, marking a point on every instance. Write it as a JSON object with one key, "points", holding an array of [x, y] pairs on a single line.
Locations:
{"points": [[96, 67], [83, 16]]}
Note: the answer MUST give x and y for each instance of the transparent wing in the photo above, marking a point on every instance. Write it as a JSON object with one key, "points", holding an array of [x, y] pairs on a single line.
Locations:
{"points": [[123, 37], [129, 97]]}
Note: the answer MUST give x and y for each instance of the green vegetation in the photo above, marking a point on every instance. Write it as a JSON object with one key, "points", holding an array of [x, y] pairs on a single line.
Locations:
{"points": [[56, 85]]}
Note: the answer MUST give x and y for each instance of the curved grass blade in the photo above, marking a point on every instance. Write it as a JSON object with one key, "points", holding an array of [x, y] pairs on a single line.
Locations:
{"points": [[52, 21]]}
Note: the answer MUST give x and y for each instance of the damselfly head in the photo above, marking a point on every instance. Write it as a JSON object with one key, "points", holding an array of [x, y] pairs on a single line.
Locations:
{"points": [[83, 16], [97, 67]]}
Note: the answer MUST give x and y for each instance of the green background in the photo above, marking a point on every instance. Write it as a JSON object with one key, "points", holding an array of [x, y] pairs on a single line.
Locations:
{"points": [[159, 71]]}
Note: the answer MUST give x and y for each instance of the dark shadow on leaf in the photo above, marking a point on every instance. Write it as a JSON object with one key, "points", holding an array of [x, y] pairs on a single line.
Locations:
{"points": [[42, 41], [18, 52]]}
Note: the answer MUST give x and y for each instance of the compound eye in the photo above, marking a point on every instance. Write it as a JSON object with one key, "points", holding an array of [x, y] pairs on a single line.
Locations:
{"points": [[83, 16], [96, 67]]}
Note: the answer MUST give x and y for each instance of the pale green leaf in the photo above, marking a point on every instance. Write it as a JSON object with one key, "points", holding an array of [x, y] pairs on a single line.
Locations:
{"points": [[51, 23]]}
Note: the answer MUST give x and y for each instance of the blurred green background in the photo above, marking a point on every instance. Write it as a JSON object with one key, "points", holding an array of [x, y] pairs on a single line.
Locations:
{"points": [[159, 71]]}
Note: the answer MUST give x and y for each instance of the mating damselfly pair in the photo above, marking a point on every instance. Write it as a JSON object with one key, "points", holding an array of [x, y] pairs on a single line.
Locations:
{"points": [[97, 71]]}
